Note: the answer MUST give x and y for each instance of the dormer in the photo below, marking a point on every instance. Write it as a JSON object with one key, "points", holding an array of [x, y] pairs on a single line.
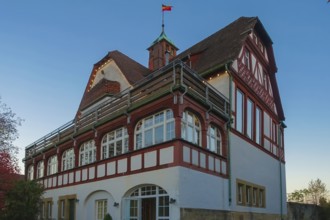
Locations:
{"points": [[161, 51]]}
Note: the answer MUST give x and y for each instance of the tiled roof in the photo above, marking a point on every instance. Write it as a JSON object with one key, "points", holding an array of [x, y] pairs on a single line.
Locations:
{"points": [[221, 47], [132, 70]]}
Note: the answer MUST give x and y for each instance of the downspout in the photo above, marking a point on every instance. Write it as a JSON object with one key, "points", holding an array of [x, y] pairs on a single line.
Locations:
{"points": [[228, 135], [281, 144]]}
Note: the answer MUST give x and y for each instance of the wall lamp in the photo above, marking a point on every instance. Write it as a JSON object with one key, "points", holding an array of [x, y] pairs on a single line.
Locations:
{"points": [[115, 204], [172, 201]]}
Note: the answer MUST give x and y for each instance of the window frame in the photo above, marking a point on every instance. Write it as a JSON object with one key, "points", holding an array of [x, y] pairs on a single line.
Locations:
{"points": [[68, 159], [240, 113], [52, 165], [31, 172], [87, 153], [111, 139], [146, 130], [104, 208], [214, 137], [40, 169], [191, 127]]}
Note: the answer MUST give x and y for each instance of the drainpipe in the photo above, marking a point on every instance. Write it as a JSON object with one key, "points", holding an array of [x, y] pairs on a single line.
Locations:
{"points": [[228, 135]]}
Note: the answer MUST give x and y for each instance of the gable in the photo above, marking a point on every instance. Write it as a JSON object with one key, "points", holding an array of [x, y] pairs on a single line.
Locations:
{"points": [[110, 71], [111, 75]]}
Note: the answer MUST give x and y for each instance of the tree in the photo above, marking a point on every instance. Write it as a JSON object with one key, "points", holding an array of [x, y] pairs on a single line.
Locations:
{"points": [[316, 190], [296, 196], [23, 201], [8, 133], [8, 151]]}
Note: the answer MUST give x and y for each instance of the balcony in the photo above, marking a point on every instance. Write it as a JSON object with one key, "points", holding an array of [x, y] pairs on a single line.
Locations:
{"points": [[175, 79]]}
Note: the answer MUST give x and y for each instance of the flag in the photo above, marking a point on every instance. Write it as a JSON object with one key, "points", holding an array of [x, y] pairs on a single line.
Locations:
{"points": [[169, 8]]}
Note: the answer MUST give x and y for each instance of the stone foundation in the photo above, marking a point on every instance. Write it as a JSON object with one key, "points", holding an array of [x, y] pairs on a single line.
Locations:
{"points": [[205, 214]]}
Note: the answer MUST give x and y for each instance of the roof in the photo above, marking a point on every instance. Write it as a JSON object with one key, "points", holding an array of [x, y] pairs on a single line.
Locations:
{"points": [[132, 70], [161, 37], [223, 46]]}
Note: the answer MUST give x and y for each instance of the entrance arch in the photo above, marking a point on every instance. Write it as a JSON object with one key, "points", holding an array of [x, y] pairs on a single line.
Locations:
{"points": [[147, 202]]}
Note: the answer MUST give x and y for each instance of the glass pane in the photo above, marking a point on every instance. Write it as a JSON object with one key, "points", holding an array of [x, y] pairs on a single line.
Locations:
{"points": [[148, 137], [159, 134]]}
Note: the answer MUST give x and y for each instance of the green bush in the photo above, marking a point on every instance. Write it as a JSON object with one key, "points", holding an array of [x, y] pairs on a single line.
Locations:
{"points": [[107, 217]]}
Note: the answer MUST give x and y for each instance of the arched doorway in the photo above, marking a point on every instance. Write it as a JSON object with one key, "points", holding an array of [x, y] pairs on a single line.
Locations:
{"points": [[148, 202]]}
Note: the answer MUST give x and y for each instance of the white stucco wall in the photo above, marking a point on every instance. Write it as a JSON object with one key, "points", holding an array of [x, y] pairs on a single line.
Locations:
{"points": [[250, 164]]}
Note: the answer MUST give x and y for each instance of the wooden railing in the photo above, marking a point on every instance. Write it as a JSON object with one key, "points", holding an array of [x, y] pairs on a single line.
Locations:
{"points": [[173, 77]]}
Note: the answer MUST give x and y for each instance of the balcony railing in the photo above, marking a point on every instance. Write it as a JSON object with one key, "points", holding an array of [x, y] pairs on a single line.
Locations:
{"points": [[174, 77]]}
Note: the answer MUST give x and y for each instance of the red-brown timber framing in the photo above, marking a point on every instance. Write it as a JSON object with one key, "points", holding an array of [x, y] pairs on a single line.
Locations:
{"points": [[174, 87], [246, 82]]}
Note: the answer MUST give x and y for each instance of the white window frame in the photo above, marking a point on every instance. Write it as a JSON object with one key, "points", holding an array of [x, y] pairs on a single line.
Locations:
{"points": [[52, 165], [214, 139], [155, 129], [40, 169], [162, 201], [30, 172], [68, 159], [240, 111], [114, 143], [87, 153], [249, 118], [101, 208], [191, 128]]}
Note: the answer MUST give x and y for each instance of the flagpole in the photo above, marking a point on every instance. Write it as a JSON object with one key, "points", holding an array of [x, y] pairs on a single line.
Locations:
{"points": [[163, 25]]}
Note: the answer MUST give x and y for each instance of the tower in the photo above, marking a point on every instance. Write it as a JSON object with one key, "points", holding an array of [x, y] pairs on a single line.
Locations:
{"points": [[161, 51]]}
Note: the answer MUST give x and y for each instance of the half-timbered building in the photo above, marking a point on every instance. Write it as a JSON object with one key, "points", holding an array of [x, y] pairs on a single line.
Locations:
{"points": [[195, 135]]}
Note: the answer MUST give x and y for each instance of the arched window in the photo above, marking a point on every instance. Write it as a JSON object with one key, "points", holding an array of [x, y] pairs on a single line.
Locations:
{"points": [[52, 165], [87, 153], [191, 128], [40, 169], [30, 172], [214, 141], [148, 202], [155, 129], [68, 159], [114, 143]]}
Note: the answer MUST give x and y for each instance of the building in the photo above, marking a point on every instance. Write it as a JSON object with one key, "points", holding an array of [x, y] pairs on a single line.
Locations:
{"points": [[197, 135]]}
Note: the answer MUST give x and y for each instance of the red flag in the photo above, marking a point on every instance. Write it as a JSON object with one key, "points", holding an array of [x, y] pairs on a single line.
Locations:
{"points": [[169, 8]]}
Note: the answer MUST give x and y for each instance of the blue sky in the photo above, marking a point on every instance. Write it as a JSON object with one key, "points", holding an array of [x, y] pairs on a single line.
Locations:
{"points": [[48, 48]]}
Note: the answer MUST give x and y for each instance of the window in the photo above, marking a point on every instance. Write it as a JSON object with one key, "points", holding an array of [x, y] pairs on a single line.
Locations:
{"points": [[40, 169], [249, 118], [191, 128], [249, 194], [68, 159], [49, 209], [239, 111], [114, 143], [254, 196], [214, 140], [52, 165], [147, 202], [240, 193], [30, 172], [258, 125], [87, 153], [101, 209], [62, 209], [261, 198], [155, 129], [247, 58]]}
